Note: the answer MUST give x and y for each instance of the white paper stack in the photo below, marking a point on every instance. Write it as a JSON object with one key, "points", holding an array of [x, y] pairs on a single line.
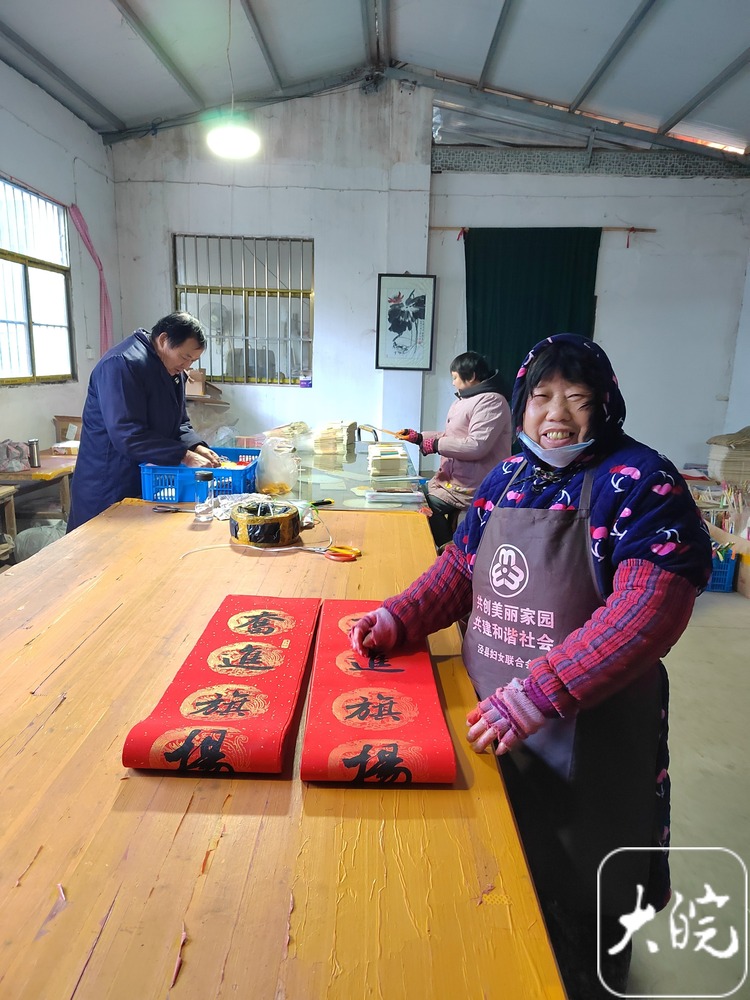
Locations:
{"points": [[333, 438], [394, 496], [729, 465], [387, 460]]}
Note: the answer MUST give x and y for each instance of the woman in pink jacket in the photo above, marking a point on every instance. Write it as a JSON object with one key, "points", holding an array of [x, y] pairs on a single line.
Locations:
{"points": [[476, 437]]}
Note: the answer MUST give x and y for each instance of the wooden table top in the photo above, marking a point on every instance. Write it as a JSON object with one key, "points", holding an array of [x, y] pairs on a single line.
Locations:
{"points": [[257, 887], [52, 467]]}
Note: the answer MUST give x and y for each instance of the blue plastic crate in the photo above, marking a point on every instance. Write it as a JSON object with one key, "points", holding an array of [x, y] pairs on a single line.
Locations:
{"points": [[176, 483], [722, 574]]}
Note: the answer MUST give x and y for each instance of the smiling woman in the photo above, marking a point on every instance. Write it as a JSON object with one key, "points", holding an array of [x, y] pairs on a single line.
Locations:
{"points": [[577, 567]]}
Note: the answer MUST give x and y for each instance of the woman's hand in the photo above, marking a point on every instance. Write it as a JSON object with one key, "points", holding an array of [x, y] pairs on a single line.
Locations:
{"points": [[407, 434], [508, 716], [375, 631]]}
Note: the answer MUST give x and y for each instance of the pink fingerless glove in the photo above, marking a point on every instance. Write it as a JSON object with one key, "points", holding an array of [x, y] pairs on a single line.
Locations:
{"points": [[407, 434], [377, 630], [429, 445], [510, 715]]}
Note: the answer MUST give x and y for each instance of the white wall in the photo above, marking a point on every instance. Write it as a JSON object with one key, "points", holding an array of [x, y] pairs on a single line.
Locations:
{"points": [[44, 147], [738, 410], [350, 171], [668, 306]]}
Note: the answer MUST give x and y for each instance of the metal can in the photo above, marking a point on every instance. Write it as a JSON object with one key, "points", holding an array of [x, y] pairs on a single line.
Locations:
{"points": [[34, 453]]}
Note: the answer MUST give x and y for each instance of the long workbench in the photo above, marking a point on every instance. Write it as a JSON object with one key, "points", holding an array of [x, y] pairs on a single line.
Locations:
{"points": [[118, 883]]}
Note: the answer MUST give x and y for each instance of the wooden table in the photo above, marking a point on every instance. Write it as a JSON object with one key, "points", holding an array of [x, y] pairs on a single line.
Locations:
{"points": [[53, 469], [280, 888]]}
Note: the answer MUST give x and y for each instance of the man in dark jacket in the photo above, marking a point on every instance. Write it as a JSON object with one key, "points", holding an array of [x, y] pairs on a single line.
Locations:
{"points": [[135, 412]]}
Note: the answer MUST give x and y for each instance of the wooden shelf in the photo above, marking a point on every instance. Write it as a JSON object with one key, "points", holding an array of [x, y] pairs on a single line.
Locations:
{"points": [[206, 401]]}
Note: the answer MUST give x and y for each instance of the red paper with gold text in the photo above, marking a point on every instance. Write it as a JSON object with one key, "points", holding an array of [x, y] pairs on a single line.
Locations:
{"points": [[372, 720], [231, 703]]}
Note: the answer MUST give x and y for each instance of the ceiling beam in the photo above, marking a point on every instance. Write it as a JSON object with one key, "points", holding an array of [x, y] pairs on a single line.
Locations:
{"points": [[708, 91], [142, 31], [514, 120], [614, 51], [384, 32], [497, 35], [62, 78], [250, 15], [309, 88], [471, 97], [370, 30]]}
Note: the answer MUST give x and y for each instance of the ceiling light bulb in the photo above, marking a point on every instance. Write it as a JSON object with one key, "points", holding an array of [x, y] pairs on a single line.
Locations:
{"points": [[233, 141]]}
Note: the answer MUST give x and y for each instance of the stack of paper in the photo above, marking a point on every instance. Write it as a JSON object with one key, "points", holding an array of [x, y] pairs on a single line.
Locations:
{"points": [[729, 457], [333, 438], [387, 460]]}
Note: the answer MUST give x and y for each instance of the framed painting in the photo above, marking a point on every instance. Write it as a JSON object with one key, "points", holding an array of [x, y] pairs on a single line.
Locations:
{"points": [[406, 320]]}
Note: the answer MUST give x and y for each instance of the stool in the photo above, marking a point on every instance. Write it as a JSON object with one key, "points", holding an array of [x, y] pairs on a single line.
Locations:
{"points": [[8, 508]]}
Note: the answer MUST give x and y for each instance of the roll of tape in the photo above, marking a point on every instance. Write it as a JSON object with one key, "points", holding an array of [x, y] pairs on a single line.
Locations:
{"points": [[264, 522]]}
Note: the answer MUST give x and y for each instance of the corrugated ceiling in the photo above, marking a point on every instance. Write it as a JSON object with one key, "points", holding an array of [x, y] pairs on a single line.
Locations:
{"points": [[578, 73]]}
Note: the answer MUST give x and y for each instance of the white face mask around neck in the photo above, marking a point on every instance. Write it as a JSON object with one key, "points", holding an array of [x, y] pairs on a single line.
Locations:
{"points": [[558, 458]]}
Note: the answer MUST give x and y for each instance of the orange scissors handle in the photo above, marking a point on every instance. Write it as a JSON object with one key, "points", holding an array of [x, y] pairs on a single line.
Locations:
{"points": [[342, 553]]}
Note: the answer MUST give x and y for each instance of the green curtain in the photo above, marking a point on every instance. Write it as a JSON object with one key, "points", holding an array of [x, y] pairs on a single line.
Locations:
{"points": [[525, 284]]}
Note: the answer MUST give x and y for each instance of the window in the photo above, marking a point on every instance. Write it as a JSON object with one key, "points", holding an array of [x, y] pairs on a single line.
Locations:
{"points": [[254, 298], [35, 328]]}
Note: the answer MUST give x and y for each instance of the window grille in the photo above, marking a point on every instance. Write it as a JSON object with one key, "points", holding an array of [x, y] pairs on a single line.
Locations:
{"points": [[35, 329], [254, 297]]}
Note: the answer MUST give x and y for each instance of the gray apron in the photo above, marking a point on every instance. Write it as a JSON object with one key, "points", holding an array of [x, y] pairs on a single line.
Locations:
{"points": [[582, 786]]}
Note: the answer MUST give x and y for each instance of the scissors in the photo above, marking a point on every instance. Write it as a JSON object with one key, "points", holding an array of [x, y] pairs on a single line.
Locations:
{"points": [[165, 508], [338, 553]]}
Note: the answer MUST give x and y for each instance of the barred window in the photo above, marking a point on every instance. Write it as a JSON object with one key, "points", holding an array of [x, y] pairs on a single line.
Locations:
{"points": [[35, 329], [254, 297]]}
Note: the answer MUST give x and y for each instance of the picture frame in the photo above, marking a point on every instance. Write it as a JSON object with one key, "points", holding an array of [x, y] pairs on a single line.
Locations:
{"points": [[406, 321]]}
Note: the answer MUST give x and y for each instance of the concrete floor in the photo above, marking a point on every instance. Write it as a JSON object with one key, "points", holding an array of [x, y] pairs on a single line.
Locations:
{"points": [[709, 671]]}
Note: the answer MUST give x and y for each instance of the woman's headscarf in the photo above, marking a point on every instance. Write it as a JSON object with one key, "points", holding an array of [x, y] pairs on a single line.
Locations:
{"points": [[583, 361]]}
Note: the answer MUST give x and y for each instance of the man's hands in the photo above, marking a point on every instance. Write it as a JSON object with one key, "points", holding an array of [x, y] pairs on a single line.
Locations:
{"points": [[201, 457]]}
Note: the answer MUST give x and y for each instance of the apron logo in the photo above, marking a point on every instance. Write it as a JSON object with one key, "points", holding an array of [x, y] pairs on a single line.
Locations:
{"points": [[509, 571]]}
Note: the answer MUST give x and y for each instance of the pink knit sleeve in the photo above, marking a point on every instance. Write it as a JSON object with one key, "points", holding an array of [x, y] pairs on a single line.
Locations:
{"points": [[642, 619], [436, 599]]}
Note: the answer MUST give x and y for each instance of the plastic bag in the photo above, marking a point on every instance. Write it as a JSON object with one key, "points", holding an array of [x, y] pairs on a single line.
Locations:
{"points": [[223, 437], [14, 456], [277, 469]]}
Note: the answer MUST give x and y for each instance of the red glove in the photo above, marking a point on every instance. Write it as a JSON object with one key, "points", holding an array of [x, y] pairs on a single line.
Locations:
{"points": [[377, 630], [429, 445], [509, 716], [407, 434]]}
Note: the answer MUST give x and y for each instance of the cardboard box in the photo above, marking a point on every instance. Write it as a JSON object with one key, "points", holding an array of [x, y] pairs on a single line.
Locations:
{"points": [[742, 580], [65, 447], [196, 383], [67, 428]]}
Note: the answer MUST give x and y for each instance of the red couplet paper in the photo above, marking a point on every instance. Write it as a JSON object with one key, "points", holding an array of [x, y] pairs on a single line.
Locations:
{"points": [[231, 703], [372, 720]]}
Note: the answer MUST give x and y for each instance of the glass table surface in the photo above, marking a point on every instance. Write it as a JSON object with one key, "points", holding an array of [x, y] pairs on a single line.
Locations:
{"points": [[345, 479]]}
